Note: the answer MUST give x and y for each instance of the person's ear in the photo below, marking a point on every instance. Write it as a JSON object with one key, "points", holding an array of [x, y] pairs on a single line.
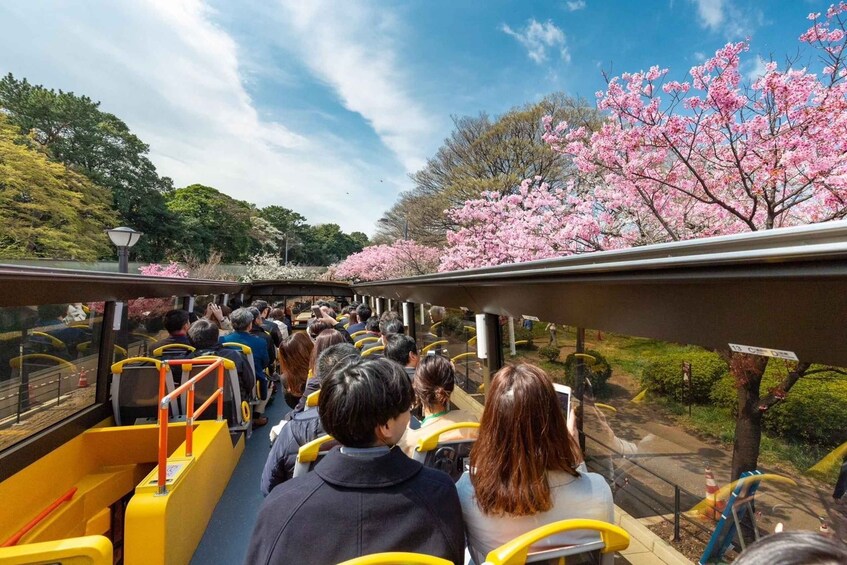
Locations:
{"points": [[414, 358], [383, 433]]}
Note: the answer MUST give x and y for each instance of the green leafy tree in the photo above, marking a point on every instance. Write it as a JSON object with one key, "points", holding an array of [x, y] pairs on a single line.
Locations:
{"points": [[74, 131], [47, 210], [212, 221], [484, 154], [326, 244], [293, 228]]}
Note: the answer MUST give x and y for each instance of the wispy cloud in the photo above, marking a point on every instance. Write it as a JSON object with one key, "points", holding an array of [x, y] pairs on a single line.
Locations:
{"points": [[174, 75], [722, 16], [349, 46], [537, 38], [574, 5], [757, 69]]}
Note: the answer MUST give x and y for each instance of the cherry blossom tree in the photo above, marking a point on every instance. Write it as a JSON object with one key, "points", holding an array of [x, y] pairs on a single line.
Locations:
{"points": [[678, 160], [403, 258]]}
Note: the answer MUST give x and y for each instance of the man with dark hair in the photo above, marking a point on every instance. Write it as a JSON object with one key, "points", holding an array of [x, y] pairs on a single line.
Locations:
{"points": [[304, 426], [402, 349], [257, 330], [368, 497], [176, 324], [363, 312], [264, 313]]}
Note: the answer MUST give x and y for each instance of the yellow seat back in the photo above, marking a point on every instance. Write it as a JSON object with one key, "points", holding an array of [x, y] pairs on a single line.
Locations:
{"points": [[397, 558], [373, 350], [363, 340], [312, 399], [432, 345], [354, 335], [516, 552], [160, 351]]}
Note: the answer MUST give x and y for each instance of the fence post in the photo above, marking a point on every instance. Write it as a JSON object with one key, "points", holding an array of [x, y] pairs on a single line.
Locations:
{"points": [[676, 510]]}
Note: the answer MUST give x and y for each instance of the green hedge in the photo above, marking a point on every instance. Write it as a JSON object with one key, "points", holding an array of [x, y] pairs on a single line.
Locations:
{"points": [[599, 373], [813, 411], [549, 352], [664, 375]]}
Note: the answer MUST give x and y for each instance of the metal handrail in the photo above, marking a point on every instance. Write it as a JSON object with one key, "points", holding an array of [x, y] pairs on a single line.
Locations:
{"points": [[191, 414]]}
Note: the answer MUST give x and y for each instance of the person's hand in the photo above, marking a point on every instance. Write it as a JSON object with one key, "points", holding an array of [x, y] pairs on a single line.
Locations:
{"points": [[213, 312], [329, 320]]}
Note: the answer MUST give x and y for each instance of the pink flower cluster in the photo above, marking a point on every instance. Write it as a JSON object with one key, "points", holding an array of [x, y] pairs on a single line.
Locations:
{"points": [[144, 308], [536, 222], [403, 258], [172, 270], [715, 157]]}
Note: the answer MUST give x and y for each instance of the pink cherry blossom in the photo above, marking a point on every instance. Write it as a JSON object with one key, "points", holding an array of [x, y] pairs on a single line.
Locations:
{"points": [[403, 258]]}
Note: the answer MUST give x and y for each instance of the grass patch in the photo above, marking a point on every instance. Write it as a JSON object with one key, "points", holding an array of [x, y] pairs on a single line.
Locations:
{"points": [[718, 423]]}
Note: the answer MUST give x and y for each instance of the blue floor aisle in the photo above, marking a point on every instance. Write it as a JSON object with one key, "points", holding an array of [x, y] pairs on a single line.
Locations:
{"points": [[228, 533]]}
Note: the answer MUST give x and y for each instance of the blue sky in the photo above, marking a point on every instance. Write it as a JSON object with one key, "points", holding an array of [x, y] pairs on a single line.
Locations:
{"points": [[325, 107]]}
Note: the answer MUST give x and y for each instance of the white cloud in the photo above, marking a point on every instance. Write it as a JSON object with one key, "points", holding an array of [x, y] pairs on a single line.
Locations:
{"points": [[699, 56], [168, 70], [757, 69], [538, 37], [711, 13], [574, 5], [726, 18], [348, 45]]}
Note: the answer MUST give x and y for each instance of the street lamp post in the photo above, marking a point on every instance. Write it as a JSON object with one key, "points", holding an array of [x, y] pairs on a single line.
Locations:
{"points": [[123, 238]]}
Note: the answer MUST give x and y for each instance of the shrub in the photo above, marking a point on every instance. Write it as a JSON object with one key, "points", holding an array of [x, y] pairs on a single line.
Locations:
{"points": [[664, 375], [549, 352], [523, 334], [598, 373], [813, 411]]}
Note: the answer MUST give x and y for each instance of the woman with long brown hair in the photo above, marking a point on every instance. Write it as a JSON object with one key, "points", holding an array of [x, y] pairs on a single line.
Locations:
{"points": [[326, 339], [294, 356], [526, 468]]}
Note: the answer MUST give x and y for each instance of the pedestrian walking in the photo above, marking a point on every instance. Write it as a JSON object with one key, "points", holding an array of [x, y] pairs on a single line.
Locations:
{"points": [[554, 338]]}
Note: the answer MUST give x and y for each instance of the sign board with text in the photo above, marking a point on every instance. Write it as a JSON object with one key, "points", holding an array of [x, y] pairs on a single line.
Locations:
{"points": [[763, 351]]}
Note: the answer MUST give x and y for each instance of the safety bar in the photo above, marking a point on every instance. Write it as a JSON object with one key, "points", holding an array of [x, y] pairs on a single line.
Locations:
{"points": [[166, 399], [16, 537]]}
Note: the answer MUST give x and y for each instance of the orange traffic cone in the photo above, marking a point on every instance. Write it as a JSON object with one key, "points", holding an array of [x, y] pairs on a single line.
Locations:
{"points": [[715, 506], [83, 379]]}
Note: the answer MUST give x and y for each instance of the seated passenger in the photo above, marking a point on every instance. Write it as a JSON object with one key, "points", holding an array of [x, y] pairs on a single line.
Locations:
{"points": [[204, 336], [363, 497], [277, 316], [794, 548], [176, 324], [522, 427], [258, 331], [402, 349], [433, 383], [264, 312], [327, 339], [294, 356], [363, 313], [242, 322], [302, 427]]}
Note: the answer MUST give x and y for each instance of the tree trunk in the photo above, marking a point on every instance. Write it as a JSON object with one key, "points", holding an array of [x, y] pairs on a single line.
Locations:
{"points": [[748, 371]]}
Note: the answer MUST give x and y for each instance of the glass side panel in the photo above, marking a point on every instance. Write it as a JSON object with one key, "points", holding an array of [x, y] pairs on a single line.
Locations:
{"points": [[48, 365]]}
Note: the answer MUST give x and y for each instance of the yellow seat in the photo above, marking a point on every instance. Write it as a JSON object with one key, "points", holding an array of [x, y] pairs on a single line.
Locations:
{"points": [[15, 362], [426, 349], [88, 550], [308, 454], [173, 348], [354, 335], [312, 399], [55, 342], [373, 350], [362, 341], [450, 455], [397, 558], [516, 552]]}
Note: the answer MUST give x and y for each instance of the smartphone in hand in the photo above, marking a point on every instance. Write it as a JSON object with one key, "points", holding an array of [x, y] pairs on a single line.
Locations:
{"points": [[316, 312], [564, 394]]}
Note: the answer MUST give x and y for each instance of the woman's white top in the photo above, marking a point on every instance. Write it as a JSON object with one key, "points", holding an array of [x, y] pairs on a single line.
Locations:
{"points": [[586, 496]]}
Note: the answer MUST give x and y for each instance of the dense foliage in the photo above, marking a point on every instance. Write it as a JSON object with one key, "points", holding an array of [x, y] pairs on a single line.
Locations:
{"points": [[46, 209], [665, 375]]}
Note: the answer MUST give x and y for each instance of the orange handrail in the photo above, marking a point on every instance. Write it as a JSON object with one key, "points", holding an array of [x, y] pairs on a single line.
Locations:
{"points": [[16, 537], [191, 414]]}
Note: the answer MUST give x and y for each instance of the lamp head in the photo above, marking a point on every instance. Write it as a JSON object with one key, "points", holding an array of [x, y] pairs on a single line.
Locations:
{"points": [[124, 237]]}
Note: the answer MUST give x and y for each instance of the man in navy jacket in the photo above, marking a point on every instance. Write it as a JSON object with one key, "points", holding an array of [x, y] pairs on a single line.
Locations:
{"points": [[366, 496]]}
